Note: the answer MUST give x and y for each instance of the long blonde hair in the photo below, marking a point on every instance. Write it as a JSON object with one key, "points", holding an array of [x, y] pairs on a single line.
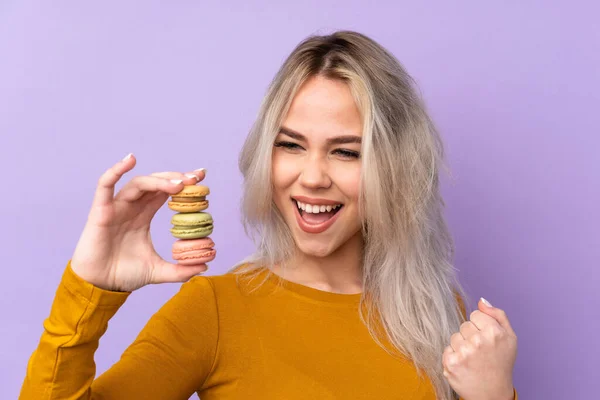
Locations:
{"points": [[408, 277]]}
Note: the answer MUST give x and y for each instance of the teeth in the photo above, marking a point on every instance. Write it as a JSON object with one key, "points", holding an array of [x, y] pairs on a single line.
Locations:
{"points": [[315, 209]]}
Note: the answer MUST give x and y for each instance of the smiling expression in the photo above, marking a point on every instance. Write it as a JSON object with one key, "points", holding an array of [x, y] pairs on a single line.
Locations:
{"points": [[316, 167]]}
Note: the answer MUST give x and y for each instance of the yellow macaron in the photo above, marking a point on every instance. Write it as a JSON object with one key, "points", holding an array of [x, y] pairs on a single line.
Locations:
{"points": [[191, 199]]}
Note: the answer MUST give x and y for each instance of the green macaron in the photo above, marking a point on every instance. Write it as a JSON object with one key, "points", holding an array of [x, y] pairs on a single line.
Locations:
{"points": [[191, 225]]}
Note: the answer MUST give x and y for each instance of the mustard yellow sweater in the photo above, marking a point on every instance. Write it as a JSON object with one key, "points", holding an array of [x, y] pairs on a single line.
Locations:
{"points": [[222, 342]]}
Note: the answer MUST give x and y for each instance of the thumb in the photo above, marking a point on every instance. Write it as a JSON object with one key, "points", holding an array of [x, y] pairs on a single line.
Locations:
{"points": [[496, 313], [166, 272]]}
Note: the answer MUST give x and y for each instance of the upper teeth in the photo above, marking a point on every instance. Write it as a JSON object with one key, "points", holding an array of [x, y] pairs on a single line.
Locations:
{"points": [[315, 209]]}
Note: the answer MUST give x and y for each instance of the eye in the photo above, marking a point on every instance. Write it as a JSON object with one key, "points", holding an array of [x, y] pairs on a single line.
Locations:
{"points": [[288, 145], [347, 153], [343, 153]]}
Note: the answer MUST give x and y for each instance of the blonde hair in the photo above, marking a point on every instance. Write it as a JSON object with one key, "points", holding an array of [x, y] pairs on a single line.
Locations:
{"points": [[408, 277]]}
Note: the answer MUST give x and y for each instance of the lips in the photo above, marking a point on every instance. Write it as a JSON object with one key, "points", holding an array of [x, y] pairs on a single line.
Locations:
{"points": [[311, 227]]}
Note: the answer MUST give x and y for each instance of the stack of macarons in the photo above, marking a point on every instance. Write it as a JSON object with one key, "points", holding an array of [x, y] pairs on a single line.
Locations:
{"points": [[192, 226]]}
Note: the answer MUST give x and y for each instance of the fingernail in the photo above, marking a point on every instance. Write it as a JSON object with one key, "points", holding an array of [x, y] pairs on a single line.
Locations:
{"points": [[200, 170], [127, 157], [487, 303], [192, 176], [176, 181]]}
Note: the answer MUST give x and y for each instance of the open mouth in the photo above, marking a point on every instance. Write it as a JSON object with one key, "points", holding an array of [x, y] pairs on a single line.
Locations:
{"points": [[316, 214]]}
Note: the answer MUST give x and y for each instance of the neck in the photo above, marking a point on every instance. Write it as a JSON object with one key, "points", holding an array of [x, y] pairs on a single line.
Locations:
{"points": [[338, 272]]}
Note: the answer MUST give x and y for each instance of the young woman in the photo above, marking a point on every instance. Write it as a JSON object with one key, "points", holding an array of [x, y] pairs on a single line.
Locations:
{"points": [[351, 293]]}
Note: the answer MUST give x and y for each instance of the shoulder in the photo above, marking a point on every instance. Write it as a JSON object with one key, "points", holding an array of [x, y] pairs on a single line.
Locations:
{"points": [[238, 281]]}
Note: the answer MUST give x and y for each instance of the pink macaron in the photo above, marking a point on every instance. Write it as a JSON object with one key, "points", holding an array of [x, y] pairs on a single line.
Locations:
{"points": [[194, 251]]}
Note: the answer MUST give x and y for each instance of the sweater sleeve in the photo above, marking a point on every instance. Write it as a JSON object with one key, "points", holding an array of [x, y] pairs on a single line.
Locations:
{"points": [[170, 358]]}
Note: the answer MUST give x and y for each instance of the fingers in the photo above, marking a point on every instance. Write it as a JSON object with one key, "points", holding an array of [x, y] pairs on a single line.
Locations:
{"points": [[106, 184], [167, 182], [167, 272], [200, 173], [456, 341], [138, 186], [468, 329], [105, 191], [448, 360], [495, 313], [189, 178], [483, 321]]}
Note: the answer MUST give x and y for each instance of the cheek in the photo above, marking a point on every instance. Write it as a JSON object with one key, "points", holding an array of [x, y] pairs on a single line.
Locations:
{"points": [[284, 171], [348, 181]]}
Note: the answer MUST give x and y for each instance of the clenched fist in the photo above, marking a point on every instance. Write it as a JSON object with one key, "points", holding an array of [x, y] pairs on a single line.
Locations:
{"points": [[479, 361]]}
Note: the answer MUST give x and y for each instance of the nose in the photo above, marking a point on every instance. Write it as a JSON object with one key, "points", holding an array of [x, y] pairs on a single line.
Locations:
{"points": [[314, 174]]}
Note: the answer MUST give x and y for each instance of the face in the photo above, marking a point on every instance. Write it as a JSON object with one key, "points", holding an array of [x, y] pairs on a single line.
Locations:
{"points": [[316, 167]]}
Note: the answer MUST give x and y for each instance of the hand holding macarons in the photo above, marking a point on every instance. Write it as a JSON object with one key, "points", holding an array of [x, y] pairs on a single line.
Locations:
{"points": [[115, 250]]}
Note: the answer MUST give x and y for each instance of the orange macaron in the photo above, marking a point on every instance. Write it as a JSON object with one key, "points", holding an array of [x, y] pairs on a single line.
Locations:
{"points": [[191, 199]]}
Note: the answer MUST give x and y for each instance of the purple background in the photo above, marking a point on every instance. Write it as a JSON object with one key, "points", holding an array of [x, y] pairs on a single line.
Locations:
{"points": [[513, 89]]}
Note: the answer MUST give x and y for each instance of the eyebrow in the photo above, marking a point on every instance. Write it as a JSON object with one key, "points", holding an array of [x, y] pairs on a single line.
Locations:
{"points": [[334, 140]]}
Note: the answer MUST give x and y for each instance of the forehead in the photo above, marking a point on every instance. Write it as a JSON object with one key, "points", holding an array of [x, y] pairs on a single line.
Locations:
{"points": [[324, 108]]}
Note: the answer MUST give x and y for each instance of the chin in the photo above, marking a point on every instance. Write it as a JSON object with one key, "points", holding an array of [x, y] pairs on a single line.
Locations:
{"points": [[322, 246], [315, 249]]}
